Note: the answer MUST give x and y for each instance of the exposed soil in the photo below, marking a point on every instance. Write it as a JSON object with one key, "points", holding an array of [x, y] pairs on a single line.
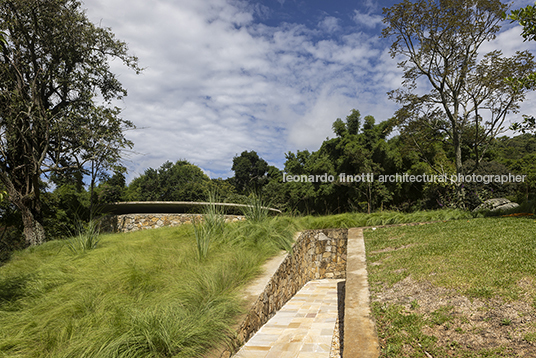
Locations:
{"points": [[471, 324]]}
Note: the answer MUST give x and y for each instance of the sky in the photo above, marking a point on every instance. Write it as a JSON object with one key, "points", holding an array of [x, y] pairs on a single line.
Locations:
{"points": [[226, 76]]}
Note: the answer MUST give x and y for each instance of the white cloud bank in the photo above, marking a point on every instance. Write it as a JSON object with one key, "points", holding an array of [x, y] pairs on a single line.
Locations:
{"points": [[217, 82]]}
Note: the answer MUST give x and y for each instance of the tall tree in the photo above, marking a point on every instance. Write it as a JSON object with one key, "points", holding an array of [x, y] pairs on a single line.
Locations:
{"points": [[250, 171], [104, 141], [54, 64], [526, 16], [181, 181], [355, 153], [439, 42]]}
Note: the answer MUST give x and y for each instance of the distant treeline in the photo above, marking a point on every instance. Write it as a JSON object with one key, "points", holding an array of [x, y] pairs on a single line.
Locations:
{"points": [[360, 146]]}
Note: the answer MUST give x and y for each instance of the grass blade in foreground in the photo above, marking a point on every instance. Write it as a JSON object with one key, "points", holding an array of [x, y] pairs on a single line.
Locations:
{"points": [[210, 228]]}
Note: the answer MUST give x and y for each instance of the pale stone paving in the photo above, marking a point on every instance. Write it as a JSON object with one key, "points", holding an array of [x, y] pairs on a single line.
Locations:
{"points": [[303, 327]]}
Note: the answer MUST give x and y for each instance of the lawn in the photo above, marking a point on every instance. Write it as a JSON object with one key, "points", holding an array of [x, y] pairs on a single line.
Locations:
{"points": [[462, 288]]}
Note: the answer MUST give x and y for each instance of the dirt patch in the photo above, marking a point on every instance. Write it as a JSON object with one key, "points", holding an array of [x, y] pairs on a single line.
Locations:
{"points": [[467, 324]]}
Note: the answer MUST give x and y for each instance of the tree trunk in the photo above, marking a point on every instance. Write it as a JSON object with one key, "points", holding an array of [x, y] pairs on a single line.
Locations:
{"points": [[34, 232], [91, 190], [457, 141], [369, 197]]}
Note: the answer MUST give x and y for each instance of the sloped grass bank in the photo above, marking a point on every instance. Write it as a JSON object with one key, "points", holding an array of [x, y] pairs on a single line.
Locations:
{"points": [[463, 288], [349, 220], [143, 294]]}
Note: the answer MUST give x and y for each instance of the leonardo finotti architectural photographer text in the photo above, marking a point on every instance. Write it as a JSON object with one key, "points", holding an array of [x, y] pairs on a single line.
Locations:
{"points": [[404, 178]]}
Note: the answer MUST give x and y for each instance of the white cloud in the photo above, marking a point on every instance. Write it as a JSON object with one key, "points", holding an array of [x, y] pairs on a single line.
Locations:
{"points": [[509, 41], [329, 24], [367, 20], [371, 5], [218, 82]]}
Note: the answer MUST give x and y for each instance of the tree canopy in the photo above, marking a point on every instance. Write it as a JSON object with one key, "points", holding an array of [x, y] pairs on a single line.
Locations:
{"points": [[465, 90], [250, 171], [526, 17], [55, 78], [180, 181]]}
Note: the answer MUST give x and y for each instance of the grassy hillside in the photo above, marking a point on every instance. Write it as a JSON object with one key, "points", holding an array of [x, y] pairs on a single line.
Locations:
{"points": [[151, 293], [349, 220], [143, 294], [463, 288]]}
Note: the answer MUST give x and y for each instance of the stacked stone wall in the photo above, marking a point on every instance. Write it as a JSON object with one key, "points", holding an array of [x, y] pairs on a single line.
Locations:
{"points": [[316, 254], [136, 222]]}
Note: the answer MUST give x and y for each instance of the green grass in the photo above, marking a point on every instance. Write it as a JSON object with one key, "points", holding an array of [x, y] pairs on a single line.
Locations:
{"points": [[480, 258], [142, 294], [349, 220], [162, 293], [257, 208], [272, 234], [208, 230], [87, 238]]}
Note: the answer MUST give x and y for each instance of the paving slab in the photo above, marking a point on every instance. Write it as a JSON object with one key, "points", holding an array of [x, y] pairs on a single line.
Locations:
{"points": [[303, 327]]}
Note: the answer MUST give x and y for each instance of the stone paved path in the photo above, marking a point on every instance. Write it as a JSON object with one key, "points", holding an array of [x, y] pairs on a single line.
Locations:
{"points": [[303, 327]]}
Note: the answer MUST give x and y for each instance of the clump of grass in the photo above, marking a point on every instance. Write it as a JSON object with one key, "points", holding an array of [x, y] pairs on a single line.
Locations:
{"points": [[211, 227], [257, 209], [270, 235], [260, 231], [398, 327], [87, 238], [530, 337], [441, 315]]}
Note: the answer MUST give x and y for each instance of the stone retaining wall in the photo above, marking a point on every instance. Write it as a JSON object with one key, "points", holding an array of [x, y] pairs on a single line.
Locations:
{"points": [[316, 254], [135, 222]]}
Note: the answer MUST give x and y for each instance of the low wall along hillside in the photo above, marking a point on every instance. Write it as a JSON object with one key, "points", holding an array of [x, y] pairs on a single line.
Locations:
{"points": [[142, 215], [136, 222]]}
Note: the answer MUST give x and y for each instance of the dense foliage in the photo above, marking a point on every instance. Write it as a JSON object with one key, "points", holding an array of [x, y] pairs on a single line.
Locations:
{"points": [[58, 175], [360, 146], [54, 64], [450, 86], [181, 181]]}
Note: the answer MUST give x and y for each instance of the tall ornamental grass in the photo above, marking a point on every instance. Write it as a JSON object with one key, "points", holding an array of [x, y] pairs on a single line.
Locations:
{"points": [[257, 208], [142, 294], [86, 238], [210, 228]]}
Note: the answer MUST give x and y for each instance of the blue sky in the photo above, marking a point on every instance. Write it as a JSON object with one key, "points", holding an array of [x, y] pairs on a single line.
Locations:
{"points": [[224, 76]]}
